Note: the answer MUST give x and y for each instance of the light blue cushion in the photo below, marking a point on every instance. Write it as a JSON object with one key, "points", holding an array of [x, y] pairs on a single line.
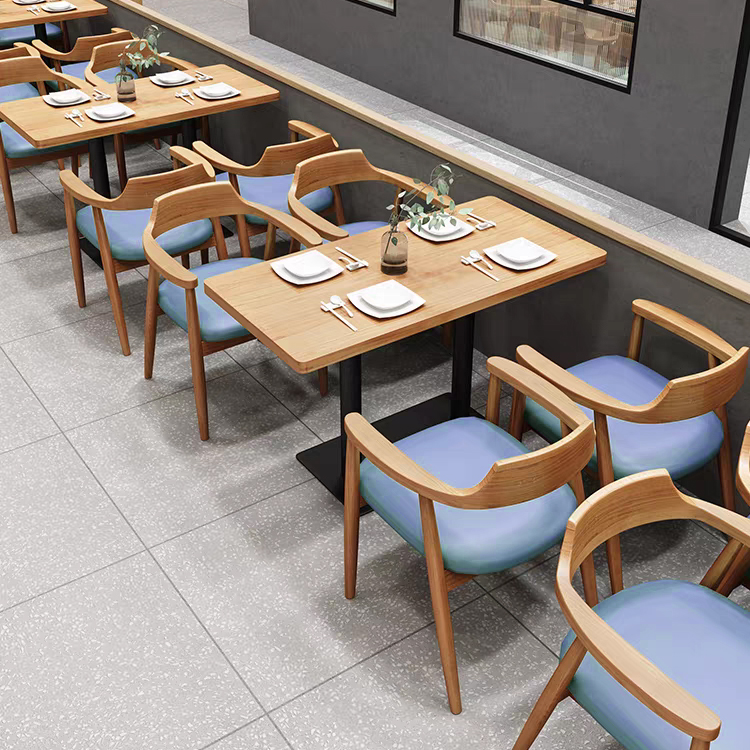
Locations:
{"points": [[216, 325], [358, 227], [17, 147], [461, 452], [78, 70], [17, 91], [679, 447], [8, 37], [125, 232], [273, 191], [695, 636]]}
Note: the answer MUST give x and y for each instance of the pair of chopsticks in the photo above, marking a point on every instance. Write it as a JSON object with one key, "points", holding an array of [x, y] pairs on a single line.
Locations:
{"points": [[326, 307]]}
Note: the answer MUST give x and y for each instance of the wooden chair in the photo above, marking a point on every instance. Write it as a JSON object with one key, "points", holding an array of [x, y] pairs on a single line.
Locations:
{"points": [[181, 296], [662, 664], [15, 150], [16, 91], [104, 64], [417, 486], [268, 181], [115, 226], [640, 416], [339, 168]]}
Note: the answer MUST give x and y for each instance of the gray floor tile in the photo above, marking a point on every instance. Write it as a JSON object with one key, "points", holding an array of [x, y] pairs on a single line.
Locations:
{"points": [[397, 698], [80, 374], [268, 584], [393, 378], [606, 202], [24, 419], [166, 480], [115, 660], [57, 523], [37, 293], [260, 735]]}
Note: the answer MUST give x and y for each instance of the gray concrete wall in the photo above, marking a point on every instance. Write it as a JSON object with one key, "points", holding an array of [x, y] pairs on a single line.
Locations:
{"points": [[660, 144], [573, 320]]}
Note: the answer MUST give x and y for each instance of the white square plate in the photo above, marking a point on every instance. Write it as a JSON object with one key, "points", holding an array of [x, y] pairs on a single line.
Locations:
{"points": [[463, 230], [198, 91], [329, 269], [358, 299], [163, 79], [98, 118], [519, 248], [82, 97], [59, 7]]}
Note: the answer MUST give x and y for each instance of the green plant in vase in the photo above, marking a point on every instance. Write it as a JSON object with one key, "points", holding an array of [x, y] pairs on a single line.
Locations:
{"points": [[139, 55], [440, 211]]}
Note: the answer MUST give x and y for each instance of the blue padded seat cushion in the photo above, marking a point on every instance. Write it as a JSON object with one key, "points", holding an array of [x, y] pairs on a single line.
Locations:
{"points": [[216, 325], [273, 191], [17, 91], [695, 636], [461, 452], [8, 37], [125, 232], [78, 70], [358, 227], [17, 147], [679, 447]]}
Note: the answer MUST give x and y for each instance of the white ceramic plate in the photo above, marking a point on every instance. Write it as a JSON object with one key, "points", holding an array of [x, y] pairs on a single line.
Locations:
{"points": [[306, 265], [172, 78], [387, 296], [80, 98], [462, 231], [60, 7], [26, 2], [358, 300], [230, 91], [332, 269], [519, 248], [93, 112], [445, 230]]}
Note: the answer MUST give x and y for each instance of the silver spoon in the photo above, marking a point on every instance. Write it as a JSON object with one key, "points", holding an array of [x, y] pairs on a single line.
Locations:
{"points": [[338, 302], [186, 92], [474, 255]]}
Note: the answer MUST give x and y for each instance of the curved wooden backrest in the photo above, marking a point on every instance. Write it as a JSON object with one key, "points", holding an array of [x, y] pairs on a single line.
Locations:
{"points": [[209, 202], [509, 481], [30, 69], [743, 467], [106, 56], [626, 504], [19, 49], [83, 46]]}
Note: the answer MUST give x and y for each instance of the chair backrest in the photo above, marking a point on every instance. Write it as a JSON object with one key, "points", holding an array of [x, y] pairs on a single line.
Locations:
{"points": [[509, 481], [210, 201], [84, 46], [105, 56], [19, 49], [30, 68]]}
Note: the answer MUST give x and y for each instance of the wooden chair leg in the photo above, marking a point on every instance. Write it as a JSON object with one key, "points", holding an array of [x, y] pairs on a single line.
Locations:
{"points": [[294, 246], [157, 144], [75, 163], [323, 381], [116, 300], [10, 206], [697, 744], [440, 605], [270, 249], [61, 164], [555, 691], [724, 463], [185, 260], [351, 520], [736, 572], [517, 413], [75, 249], [196, 363], [122, 169], [149, 330]]}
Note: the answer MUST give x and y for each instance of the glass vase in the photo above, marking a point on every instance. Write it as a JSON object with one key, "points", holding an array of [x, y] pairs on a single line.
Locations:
{"points": [[126, 90], [394, 253]]}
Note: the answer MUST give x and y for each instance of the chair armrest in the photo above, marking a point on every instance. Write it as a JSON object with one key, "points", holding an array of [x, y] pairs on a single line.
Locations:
{"points": [[82, 192], [304, 128], [216, 159], [294, 227], [743, 467], [187, 157], [575, 388], [164, 263], [47, 51], [323, 227], [685, 328]]}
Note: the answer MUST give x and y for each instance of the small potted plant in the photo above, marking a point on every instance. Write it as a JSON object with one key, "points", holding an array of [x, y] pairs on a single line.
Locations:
{"points": [[394, 249], [137, 56]]}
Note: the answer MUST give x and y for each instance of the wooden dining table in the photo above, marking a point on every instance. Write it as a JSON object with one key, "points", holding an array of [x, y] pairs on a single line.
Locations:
{"points": [[13, 15], [45, 126], [288, 319]]}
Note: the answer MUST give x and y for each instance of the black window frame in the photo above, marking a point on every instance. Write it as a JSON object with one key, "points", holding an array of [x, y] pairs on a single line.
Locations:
{"points": [[587, 5], [373, 6]]}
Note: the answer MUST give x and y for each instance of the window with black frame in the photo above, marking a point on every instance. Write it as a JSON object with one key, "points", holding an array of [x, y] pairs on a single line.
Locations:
{"points": [[595, 38], [386, 5]]}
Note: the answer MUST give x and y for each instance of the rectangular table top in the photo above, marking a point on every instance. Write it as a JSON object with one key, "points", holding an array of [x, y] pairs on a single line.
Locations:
{"points": [[289, 321], [13, 15], [45, 126]]}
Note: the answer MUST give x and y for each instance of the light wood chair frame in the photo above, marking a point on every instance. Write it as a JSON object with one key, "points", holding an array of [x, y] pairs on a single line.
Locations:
{"points": [[23, 64], [83, 47], [626, 504], [192, 204], [682, 398], [104, 56], [280, 159], [339, 168], [139, 193], [508, 482]]}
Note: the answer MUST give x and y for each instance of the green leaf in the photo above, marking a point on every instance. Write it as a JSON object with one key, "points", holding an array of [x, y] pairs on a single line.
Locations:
{"points": [[465, 210], [394, 240]]}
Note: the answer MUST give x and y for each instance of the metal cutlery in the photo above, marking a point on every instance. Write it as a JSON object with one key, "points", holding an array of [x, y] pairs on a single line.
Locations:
{"points": [[468, 262], [484, 221], [70, 116], [358, 262], [180, 95], [202, 76], [336, 301], [77, 113], [100, 95], [187, 92], [474, 255], [35, 9], [327, 308]]}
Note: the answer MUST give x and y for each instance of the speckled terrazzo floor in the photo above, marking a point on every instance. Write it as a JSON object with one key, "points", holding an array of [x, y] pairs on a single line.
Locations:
{"points": [[158, 593]]}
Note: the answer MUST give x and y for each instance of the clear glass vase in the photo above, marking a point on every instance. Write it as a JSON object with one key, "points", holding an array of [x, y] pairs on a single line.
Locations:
{"points": [[394, 253], [126, 90]]}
